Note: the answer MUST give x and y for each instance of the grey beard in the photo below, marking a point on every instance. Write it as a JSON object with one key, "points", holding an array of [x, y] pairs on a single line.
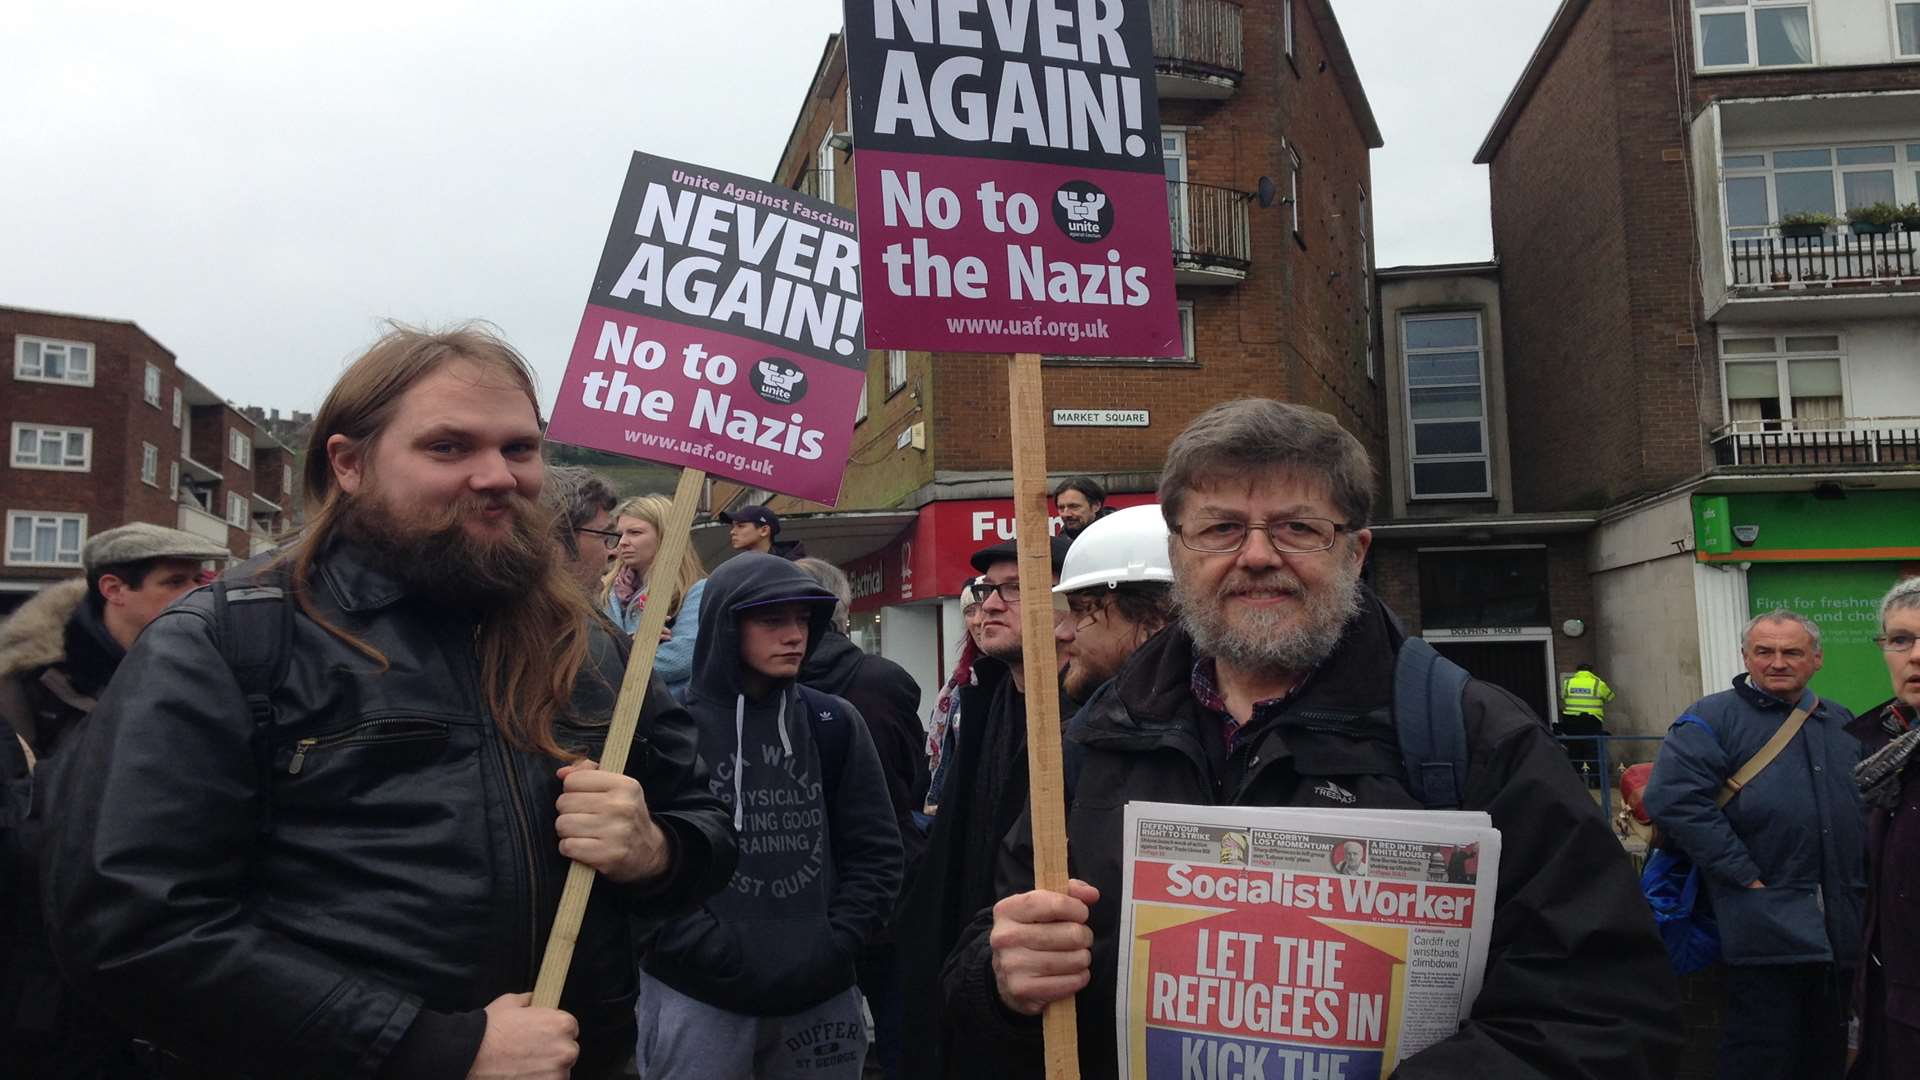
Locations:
{"points": [[1271, 646]]}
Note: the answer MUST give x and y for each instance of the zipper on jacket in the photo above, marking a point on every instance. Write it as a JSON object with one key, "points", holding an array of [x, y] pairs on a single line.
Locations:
{"points": [[522, 825], [366, 733]]}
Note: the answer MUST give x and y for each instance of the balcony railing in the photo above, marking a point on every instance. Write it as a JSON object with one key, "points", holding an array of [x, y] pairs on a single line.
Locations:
{"points": [[1210, 227], [1200, 36], [1869, 440], [1825, 261]]}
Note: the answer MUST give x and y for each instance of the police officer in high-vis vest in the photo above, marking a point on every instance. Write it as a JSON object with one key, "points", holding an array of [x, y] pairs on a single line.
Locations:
{"points": [[1584, 695]]}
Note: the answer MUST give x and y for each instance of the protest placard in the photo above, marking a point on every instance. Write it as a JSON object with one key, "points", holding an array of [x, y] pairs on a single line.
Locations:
{"points": [[1009, 176], [723, 332], [1286, 942]]}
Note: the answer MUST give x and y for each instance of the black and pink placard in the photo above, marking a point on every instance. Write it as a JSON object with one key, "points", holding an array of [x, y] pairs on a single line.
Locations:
{"points": [[723, 332], [1010, 186]]}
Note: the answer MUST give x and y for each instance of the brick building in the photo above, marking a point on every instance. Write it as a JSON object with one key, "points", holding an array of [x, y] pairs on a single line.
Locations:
{"points": [[1275, 301], [105, 428], [1699, 356]]}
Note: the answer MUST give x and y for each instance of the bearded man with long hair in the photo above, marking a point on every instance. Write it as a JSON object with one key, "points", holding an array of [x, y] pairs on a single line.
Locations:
{"points": [[350, 870]]}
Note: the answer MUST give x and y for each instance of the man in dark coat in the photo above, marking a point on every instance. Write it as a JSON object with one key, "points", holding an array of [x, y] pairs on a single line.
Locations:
{"points": [[982, 796], [1784, 861], [889, 700], [1275, 689]]}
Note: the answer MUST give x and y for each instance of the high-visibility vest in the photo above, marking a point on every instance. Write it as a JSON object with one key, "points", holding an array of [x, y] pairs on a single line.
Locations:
{"points": [[1586, 693]]}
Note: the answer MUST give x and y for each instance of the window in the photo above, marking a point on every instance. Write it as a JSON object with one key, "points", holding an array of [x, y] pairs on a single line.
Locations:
{"points": [[36, 538], [173, 481], [896, 370], [1186, 338], [240, 448], [1366, 282], [1906, 31], [1794, 377], [149, 464], [1286, 28], [63, 449], [236, 510], [1446, 410], [150, 388], [1293, 184], [1484, 587], [176, 406], [824, 156], [1764, 185], [1173, 158], [45, 360], [286, 482], [1753, 33], [860, 410]]}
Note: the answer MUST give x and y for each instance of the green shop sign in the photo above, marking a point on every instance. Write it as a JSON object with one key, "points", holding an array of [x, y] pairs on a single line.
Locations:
{"points": [[1795, 526]]}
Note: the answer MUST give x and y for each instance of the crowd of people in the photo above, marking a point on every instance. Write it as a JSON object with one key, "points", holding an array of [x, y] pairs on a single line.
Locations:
{"points": [[313, 818]]}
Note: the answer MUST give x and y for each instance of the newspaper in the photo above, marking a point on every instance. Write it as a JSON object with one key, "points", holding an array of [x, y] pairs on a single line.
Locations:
{"points": [[1298, 944]]}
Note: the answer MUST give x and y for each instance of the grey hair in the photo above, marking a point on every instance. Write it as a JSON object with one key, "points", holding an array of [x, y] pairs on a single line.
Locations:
{"points": [[1781, 614], [1903, 596], [834, 580], [575, 493], [1256, 435]]}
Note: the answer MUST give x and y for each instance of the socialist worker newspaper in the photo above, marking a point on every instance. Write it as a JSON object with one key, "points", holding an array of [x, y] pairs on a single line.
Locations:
{"points": [[1298, 944]]}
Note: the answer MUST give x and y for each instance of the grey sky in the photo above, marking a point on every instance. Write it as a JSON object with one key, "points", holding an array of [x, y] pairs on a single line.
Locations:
{"points": [[257, 186]]}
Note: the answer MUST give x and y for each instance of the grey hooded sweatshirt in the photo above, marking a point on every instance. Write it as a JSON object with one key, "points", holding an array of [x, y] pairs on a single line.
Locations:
{"points": [[817, 877]]}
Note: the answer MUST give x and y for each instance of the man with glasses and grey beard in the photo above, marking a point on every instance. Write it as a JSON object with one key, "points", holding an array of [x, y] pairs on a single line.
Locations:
{"points": [[1274, 688]]}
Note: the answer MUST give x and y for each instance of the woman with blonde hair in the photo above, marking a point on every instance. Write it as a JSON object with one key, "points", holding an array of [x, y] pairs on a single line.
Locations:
{"points": [[624, 591]]}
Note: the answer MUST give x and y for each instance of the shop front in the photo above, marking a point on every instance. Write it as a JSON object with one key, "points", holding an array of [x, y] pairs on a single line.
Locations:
{"points": [[1826, 554]]}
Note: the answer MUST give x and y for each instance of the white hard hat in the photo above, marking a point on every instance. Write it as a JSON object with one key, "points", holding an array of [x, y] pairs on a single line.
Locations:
{"points": [[1126, 545]]}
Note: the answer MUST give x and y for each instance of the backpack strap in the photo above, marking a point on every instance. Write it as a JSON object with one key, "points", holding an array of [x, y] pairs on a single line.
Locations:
{"points": [[832, 733], [1430, 717], [256, 640]]}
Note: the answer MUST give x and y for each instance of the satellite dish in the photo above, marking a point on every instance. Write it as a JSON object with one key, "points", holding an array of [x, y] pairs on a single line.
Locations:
{"points": [[1267, 192]]}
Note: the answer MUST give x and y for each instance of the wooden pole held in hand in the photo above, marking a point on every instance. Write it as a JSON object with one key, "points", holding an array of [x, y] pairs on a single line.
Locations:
{"points": [[1047, 784], [675, 538]]}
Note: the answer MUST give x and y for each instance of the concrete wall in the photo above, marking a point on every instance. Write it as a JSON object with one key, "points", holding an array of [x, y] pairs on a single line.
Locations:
{"points": [[1647, 633], [910, 636]]}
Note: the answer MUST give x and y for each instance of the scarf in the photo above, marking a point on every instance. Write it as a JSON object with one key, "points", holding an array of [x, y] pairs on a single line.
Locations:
{"points": [[1878, 777], [630, 591]]}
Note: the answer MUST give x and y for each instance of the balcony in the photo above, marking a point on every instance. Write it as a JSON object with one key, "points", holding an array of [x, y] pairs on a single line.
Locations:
{"points": [[1198, 50], [1212, 238], [1826, 262], [206, 526], [1845, 441]]}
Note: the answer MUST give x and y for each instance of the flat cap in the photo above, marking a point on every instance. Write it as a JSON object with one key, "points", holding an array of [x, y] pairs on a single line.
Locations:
{"points": [[143, 540]]}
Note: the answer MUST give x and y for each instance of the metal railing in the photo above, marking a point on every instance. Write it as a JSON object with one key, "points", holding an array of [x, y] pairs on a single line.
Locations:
{"points": [[1596, 759], [1210, 225], [1864, 440], [1826, 260], [1201, 34]]}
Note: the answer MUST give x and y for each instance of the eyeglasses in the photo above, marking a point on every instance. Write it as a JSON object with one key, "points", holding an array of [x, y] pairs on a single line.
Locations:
{"points": [[1292, 536], [610, 539], [1085, 609], [1895, 643], [1009, 592]]}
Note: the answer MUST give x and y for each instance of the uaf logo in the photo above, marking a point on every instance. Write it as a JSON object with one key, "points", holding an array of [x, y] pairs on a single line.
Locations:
{"points": [[1083, 212], [778, 382]]}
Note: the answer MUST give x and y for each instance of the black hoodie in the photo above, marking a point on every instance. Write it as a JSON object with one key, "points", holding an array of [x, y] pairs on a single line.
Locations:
{"points": [[815, 881]]}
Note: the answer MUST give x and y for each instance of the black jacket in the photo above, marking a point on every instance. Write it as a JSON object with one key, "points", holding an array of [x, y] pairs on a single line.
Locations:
{"points": [[264, 903], [889, 700], [1577, 984], [819, 854]]}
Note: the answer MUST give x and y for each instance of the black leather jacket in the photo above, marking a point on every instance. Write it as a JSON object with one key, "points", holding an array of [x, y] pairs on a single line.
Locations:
{"points": [[338, 891]]}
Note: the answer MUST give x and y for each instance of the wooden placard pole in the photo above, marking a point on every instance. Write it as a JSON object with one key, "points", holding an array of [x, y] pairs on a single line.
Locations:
{"points": [[675, 538], [1047, 785]]}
